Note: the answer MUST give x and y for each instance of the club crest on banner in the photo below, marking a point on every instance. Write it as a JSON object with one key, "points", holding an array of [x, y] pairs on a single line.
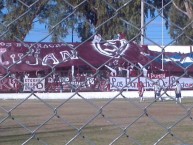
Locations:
{"points": [[110, 48]]}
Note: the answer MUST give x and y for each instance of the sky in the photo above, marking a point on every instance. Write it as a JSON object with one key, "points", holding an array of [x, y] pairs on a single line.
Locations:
{"points": [[39, 32], [155, 31]]}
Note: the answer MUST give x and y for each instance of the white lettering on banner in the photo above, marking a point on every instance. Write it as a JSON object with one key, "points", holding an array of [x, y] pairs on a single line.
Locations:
{"points": [[157, 76], [50, 56], [34, 55], [149, 83], [35, 84], [19, 59], [34, 45], [186, 83], [131, 83], [67, 55], [5, 44], [117, 82]]}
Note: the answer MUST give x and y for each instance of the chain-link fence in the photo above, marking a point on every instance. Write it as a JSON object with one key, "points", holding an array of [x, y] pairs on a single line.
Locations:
{"points": [[96, 72]]}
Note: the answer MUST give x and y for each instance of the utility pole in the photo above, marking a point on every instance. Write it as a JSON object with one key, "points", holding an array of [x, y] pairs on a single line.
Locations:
{"points": [[142, 22], [162, 35], [72, 34]]}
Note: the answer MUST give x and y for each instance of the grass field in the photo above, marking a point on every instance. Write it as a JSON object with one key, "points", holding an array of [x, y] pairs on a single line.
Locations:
{"points": [[96, 122]]}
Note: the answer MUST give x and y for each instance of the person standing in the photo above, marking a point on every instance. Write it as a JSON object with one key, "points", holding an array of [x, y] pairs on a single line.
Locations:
{"points": [[157, 90], [154, 89], [178, 89], [141, 90]]}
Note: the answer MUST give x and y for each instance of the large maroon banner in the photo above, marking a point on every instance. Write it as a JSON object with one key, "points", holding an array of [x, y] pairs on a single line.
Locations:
{"points": [[20, 57], [24, 57]]}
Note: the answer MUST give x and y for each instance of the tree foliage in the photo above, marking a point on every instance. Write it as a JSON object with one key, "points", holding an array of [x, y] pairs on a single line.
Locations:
{"points": [[17, 18], [181, 18], [86, 18]]}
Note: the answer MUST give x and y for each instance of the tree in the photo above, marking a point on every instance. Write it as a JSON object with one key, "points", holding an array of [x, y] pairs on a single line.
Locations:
{"points": [[108, 18], [17, 18], [181, 17], [114, 17]]}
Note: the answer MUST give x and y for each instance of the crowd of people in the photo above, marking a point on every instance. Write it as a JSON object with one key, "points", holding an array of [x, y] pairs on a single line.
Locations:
{"points": [[102, 78]]}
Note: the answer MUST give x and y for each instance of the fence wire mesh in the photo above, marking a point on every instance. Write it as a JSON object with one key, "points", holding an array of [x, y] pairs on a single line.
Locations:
{"points": [[85, 87]]}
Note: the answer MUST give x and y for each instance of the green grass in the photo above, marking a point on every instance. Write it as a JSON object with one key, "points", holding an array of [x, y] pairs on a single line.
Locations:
{"points": [[101, 129]]}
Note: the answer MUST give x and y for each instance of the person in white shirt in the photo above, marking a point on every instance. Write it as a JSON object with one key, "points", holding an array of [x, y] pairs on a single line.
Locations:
{"points": [[178, 89], [157, 90]]}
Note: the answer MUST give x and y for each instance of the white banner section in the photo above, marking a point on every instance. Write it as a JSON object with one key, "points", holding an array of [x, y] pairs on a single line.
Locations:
{"points": [[35, 84], [118, 83]]}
